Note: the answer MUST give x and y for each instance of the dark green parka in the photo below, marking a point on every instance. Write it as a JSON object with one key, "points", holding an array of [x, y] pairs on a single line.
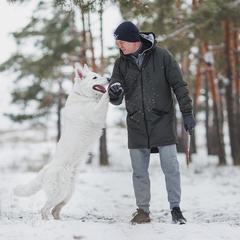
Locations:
{"points": [[149, 95]]}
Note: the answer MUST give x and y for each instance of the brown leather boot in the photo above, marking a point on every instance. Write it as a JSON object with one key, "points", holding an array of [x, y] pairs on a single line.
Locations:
{"points": [[140, 217]]}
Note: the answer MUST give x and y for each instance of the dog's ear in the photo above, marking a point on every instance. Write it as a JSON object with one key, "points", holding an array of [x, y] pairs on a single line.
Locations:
{"points": [[79, 72], [86, 67]]}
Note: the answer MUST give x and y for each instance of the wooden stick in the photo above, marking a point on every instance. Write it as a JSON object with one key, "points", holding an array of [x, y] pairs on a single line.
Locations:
{"points": [[188, 149]]}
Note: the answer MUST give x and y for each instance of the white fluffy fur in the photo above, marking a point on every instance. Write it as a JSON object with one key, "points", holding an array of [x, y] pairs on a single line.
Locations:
{"points": [[84, 117]]}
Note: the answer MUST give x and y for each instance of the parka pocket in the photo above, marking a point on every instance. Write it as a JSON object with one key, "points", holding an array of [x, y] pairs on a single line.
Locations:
{"points": [[159, 112], [132, 113]]}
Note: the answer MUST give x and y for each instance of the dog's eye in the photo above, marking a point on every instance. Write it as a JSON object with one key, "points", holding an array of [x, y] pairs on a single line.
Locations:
{"points": [[95, 77]]}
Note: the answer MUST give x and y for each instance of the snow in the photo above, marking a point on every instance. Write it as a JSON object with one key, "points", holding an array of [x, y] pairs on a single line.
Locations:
{"points": [[103, 202]]}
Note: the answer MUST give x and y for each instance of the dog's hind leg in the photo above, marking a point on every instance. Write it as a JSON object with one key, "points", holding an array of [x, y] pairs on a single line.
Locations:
{"points": [[57, 209], [51, 203], [45, 211]]}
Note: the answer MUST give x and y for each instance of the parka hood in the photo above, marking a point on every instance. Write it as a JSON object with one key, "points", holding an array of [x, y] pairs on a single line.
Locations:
{"points": [[148, 38]]}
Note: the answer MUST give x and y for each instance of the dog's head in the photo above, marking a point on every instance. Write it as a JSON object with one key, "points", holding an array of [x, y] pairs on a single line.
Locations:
{"points": [[89, 83]]}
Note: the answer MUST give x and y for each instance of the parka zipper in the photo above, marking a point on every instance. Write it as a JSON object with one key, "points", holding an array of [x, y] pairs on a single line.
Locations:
{"points": [[144, 110], [143, 105]]}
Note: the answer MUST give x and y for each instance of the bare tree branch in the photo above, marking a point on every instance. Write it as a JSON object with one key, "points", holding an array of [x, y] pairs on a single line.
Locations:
{"points": [[177, 32]]}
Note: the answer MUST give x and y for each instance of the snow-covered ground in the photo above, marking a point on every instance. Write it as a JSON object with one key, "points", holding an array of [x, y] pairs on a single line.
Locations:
{"points": [[103, 202]]}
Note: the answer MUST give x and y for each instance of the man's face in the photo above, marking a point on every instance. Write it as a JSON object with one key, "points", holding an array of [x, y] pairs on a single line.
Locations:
{"points": [[127, 47]]}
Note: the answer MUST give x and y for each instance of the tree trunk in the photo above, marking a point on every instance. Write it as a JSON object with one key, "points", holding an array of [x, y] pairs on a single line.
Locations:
{"points": [[236, 75], [217, 120], [207, 115], [103, 139], [94, 66], [216, 146], [232, 121], [83, 57]]}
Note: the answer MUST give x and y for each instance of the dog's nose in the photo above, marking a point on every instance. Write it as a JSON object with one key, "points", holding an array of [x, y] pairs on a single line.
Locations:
{"points": [[108, 79]]}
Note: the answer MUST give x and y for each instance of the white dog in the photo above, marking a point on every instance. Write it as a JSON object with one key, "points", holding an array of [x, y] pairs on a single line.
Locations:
{"points": [[84, 117]]}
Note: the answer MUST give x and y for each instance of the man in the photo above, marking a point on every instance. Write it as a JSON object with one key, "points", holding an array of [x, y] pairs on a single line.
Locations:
{"points": [[147, 76]]}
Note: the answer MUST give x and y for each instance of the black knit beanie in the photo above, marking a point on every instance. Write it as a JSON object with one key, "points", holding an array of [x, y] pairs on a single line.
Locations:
{"points": [[128, 32]]}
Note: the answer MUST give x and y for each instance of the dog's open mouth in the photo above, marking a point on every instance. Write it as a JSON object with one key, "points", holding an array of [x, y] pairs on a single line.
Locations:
{"points": [[99, 88]]}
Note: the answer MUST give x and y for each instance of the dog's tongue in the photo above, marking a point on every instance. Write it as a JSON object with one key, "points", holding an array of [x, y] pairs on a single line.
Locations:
{"points": [[99, 88]]}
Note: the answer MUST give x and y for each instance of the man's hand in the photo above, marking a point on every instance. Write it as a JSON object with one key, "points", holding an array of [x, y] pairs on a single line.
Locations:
{"points": [[189, 122], [115, 90]]}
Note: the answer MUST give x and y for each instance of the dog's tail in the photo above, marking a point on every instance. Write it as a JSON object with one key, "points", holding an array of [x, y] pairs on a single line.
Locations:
{"points": [[32, 187]]}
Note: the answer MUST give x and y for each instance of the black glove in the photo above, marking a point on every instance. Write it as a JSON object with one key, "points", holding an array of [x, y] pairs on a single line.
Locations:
{"points": [[115, 90], [189, 122]]}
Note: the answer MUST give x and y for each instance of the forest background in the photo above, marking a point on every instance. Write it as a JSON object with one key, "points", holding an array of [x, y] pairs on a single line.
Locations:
{"points": [[203, 35]]}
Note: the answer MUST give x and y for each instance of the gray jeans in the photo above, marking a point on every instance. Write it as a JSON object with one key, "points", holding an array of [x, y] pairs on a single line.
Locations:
{"points": [[141, 182]]}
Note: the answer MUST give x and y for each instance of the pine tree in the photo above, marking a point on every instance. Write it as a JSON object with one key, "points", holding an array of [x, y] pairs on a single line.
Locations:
{"points": [[214, 21], [39, 74]]}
